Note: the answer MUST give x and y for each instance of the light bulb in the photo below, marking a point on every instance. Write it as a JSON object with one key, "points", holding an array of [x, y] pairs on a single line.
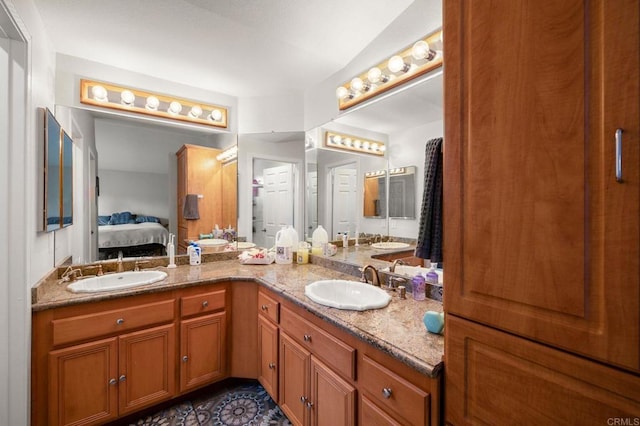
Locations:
{"points": [[375, 76], [337, 140], [383, 148], [174, 108], [347, 142], [127, 97], [195, 112], [421, 50], [397, 64], [99, 93], [215, 115], [152, 103], [357, 143], [366, 145], [359, 86], [343, 93]]}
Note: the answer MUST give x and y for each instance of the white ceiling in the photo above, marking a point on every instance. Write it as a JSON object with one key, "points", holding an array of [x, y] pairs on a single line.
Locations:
{"points": [[237, 47]]}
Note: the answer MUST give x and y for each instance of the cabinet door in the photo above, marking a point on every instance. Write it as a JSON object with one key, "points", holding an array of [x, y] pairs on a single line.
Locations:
{"points": [[202, 350], [333, 400], [146, 367], [497, 378], [541, 240], [83, 383], [268, 347], [372, 415], [294, 380]]}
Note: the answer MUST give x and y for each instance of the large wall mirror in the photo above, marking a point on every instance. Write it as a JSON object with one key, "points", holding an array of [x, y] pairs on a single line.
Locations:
{"points": [[390, 187], [58, 174], [136, 171], [270, 184]]}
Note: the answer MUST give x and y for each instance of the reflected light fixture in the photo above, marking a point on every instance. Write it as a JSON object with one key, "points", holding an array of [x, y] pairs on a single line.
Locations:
{"points": [[228, 155], [421, 57], [353, 143], [108, 95]]}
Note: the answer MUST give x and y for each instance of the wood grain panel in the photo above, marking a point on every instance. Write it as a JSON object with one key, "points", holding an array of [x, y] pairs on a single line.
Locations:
{"points": [[495, 378], [541, 240], [268, 349], [333, 399], [203, 343]]}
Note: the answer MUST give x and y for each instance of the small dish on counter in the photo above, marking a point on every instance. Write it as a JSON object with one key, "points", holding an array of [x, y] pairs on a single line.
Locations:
{"points": [[257, 256]]}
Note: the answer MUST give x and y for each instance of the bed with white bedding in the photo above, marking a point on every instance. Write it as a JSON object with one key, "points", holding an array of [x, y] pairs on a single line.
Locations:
{"points": [[133, 239]]}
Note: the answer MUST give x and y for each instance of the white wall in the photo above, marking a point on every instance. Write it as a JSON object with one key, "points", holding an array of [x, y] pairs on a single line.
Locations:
{"points": [[407, 148], [137, 192], [31, 254]]}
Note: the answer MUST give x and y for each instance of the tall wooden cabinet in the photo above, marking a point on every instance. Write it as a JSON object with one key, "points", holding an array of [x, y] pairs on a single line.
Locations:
{"points": [[542, 239], [199, 173]]}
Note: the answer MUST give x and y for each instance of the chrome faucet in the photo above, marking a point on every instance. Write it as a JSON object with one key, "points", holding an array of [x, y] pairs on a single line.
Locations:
{"points": [[375, 279], [119, 265]]}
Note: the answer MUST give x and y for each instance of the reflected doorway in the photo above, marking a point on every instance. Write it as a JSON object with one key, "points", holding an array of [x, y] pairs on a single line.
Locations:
{"points": [[344, 195], [272, 199]]}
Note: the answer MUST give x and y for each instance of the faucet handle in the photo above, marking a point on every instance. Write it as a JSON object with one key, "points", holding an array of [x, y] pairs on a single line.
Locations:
{"points": [[136, 266]]}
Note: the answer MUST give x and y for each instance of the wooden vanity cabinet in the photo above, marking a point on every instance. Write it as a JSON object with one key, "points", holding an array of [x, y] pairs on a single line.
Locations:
{"points": [[268, 340], [542, 236], [203, 338], [311, 393], [104, 360], [96, 362]]}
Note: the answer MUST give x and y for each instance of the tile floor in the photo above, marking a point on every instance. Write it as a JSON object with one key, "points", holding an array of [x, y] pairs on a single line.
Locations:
{"points": [[236, 403]]}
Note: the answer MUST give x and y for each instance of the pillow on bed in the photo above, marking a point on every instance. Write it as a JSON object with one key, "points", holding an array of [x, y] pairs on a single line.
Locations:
{"points": [[142, 219], [121, 218], [103, 220]]}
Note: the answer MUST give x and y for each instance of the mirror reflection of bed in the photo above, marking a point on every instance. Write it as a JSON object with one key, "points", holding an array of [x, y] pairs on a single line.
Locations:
{"points": [[132, 235]]}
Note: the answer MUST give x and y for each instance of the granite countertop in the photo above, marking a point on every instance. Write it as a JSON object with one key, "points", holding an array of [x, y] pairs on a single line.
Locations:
{"points": [[397, 329]]}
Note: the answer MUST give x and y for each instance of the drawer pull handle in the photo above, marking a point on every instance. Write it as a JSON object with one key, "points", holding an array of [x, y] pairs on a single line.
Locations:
{"points": [[307, 337], [619, 155], [386, 392], [264, 307], [185, 358], [120, 321], [113, 382], [272, 366], [205, 304], [123, 378]]}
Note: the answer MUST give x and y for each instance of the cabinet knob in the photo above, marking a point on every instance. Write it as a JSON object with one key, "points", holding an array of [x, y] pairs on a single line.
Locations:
{"points": [[185, 358], [386, 392], [272, 365], [309, 405], [205, 304], [307, 337], [120, 321], [123, 378], [113, 382], [264, 307], [303, 399]]}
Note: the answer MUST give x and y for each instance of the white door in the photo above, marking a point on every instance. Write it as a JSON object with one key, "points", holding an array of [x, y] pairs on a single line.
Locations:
{"points": [[344, 200], [312, 203], [278, 201]]}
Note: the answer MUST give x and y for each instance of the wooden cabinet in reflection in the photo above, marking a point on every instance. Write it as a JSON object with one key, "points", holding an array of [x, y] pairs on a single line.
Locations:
{"points": [[199, 173]]}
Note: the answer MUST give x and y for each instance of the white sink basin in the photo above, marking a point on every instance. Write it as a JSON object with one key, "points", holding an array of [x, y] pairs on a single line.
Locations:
{"points": [[412, 271], [389, 245], [344, 294], [212, 245], [116, 281]]}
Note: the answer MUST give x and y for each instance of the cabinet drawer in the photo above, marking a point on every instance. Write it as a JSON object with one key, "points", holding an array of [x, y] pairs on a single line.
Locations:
{"points": [[202, 303], [393, 392], [99, 324], [268, 307], [339, 355]]}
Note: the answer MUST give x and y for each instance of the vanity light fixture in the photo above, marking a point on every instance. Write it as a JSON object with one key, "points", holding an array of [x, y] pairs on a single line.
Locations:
{"points": [[107, 95], [423, 56], [353, 143], [228, 154], [376, 173]]}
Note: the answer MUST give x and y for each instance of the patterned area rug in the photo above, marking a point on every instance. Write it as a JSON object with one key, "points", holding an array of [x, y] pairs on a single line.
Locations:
{"points": [[244, 404]]}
